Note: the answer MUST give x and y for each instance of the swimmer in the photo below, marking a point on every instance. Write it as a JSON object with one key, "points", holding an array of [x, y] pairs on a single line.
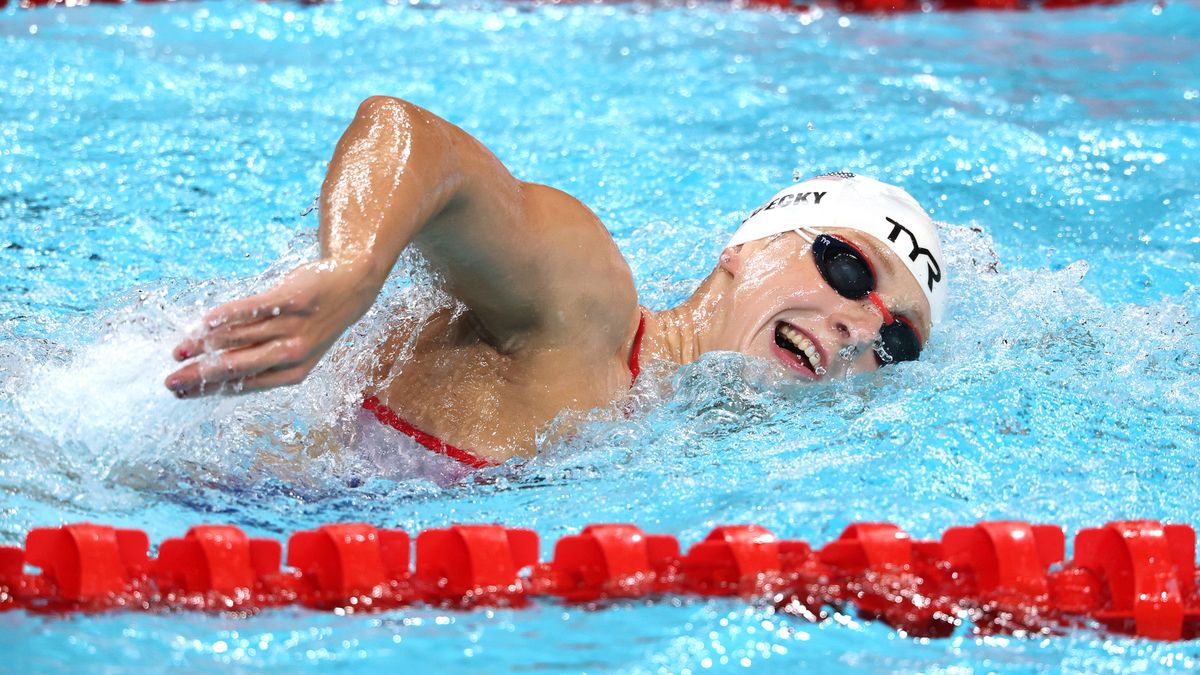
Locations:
{"points": [[835, 275]]}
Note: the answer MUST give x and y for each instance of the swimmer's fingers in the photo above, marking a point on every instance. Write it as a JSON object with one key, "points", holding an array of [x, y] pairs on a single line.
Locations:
{"points": [[249, 310], [225, 317], [297, 296], [273, 378], [206, 376], [233, 336], [287, 327]]}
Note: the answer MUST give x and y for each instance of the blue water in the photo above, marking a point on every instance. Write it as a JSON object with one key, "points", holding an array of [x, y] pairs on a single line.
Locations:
{"points": [[154, 160]]}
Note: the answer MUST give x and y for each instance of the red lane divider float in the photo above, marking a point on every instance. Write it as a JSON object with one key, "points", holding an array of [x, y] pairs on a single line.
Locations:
{"points": [[846, 6], [350, 561], [1134, 577], [474, 564]]}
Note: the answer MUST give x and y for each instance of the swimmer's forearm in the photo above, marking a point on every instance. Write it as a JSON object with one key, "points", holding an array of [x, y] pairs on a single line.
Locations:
{"points": [[368, 177]]}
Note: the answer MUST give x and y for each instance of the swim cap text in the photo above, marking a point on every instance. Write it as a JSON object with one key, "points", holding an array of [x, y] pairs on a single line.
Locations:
{"points": [[935, 270], [788, 200]]}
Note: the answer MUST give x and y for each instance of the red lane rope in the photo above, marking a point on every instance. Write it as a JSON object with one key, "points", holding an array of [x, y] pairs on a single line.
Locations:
{"points": [[1136, 577]]}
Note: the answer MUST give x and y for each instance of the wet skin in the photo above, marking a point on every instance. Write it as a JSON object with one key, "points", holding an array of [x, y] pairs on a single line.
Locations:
{"points": [[550, 308]]}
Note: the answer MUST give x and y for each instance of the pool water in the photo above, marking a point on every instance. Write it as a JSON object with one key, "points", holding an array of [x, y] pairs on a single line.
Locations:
{"points": [[155, 159]]}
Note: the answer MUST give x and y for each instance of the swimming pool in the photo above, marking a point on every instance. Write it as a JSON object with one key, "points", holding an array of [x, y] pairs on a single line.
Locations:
{"points": [[154, 159]]}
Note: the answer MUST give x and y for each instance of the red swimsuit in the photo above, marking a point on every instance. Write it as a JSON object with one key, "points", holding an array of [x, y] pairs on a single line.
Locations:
{"points": [[389, 417]]}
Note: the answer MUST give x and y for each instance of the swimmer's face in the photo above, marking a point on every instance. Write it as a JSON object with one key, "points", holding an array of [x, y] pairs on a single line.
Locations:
{"points": [[782, 309]]}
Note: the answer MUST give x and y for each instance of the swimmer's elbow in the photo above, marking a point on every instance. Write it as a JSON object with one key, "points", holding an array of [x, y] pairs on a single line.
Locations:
{"points": [[460, 167], [394, 122], [375, 110], [374, 105]]}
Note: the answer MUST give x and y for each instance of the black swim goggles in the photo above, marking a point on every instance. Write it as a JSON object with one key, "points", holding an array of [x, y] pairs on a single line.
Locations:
{"points": [[849, 272]]}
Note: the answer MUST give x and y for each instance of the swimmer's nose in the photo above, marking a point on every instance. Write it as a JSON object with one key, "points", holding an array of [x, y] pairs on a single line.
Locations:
{"points": [[856, 324]]}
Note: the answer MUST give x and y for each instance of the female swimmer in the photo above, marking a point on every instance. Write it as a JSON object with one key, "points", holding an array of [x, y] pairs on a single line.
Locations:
{"points": [[834, 275]]}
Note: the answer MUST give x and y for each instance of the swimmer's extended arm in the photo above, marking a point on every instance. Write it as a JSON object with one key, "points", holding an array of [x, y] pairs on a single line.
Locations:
{"points": [[525, 258]]}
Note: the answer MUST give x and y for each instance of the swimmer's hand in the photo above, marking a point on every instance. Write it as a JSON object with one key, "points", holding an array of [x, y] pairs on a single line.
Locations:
{"points": [[277, 337]]}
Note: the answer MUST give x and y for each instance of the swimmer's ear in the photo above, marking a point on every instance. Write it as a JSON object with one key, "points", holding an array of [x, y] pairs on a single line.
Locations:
{"points": [[731, 261]]}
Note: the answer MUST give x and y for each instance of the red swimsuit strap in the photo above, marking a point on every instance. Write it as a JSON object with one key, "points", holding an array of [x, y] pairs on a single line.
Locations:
{"points": [[637, 346], [389, 417]]}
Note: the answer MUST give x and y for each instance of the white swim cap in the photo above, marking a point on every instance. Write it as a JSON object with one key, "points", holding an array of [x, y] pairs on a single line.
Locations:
{"points": [[853, 202]]}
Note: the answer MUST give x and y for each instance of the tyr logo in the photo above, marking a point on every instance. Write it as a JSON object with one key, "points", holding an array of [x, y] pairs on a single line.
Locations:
{"points": [[935, 270]]}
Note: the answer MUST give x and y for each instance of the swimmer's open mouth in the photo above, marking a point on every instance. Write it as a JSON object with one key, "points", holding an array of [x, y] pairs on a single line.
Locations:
{"points": [[791, 340]]}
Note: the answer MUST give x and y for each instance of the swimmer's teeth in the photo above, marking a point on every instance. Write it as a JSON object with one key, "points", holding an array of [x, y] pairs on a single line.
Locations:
{"points": [[805, 345]]}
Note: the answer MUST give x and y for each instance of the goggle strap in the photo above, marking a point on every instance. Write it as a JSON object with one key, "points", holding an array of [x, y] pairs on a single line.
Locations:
{"points": [[878, 302]]}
